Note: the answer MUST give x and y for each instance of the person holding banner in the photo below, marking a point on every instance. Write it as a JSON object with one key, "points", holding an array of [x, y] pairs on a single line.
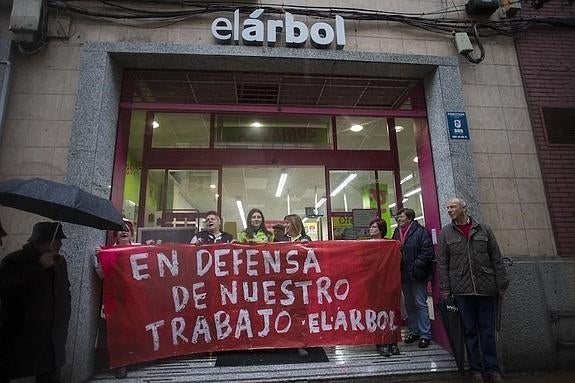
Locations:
{"points": [[121, 238], [212, 233], [416, 269], [294, 230], [256, 231], [377, 230]]}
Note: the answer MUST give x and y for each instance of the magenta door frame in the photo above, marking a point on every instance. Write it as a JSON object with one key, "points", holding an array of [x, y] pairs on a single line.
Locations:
{"points": [[330, 158]]}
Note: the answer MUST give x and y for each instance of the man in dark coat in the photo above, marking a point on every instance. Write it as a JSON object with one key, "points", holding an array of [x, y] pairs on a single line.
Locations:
{"points": [[471, 269], [416, 268], [35, 311]]}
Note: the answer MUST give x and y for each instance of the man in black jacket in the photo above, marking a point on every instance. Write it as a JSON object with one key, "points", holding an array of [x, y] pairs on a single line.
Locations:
{"points": [[35, 311], [416, 268], [471, 269]]}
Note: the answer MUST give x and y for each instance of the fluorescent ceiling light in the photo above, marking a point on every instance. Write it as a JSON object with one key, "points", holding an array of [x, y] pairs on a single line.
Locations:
{"points": [[320, 202], [242, 214], [394, 226], [414, 191], [212, 186], [155, 124], [356, 128], [407, 178], [398, 128], [392, 205], [415, 159], [418, 218], [343, 184], [281, 184], [304, 219], [256, 124], [404, 200]]}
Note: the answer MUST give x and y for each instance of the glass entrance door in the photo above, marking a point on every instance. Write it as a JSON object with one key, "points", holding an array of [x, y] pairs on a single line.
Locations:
{"points": [[358, 196]]}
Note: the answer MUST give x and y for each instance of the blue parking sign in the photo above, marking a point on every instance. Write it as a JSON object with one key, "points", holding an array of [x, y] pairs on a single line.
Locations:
{"points": [[457, 124]]}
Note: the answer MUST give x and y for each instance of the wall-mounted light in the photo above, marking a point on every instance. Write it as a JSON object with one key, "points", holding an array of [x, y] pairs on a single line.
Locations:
{"points": [[281, 184], [155, 124], [242, 214], [356, 128], [343, 184]]}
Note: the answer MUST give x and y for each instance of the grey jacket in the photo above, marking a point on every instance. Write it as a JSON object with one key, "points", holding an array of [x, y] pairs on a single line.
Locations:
{"points": [[470, 266]]}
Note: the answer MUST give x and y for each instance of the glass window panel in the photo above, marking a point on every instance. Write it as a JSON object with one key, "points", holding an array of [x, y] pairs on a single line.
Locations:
{"points": [[350, 190], [372, 136], [183, 199], [273, 131], [134, 165], [408, 165], [181, 130], [256, 188], [387, 199]]}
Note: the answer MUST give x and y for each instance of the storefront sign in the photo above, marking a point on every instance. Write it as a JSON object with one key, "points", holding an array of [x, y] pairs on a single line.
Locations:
{"points": [[254, 31], [168, 300], [457, 123]]}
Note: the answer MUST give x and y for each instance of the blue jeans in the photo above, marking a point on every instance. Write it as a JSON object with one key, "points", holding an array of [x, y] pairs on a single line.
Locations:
{"points": [[415, 295], [478, 317]]}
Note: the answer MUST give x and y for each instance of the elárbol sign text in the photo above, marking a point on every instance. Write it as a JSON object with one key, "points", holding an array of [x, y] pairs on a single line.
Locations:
{"points": [[254, 31], [168, 300]]}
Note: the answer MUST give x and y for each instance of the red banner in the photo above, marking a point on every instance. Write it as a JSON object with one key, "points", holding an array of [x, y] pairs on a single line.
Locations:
{"points": [[169, 300]]}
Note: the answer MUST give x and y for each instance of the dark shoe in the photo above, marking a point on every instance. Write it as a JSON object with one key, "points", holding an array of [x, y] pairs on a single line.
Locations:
{"points": [[121, 373], [496, 377], [394, 349], [423, 343], [383, 350], [411, 338], [476, 378]]}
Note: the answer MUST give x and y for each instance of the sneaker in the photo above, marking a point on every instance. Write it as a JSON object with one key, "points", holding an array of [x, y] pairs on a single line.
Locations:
{"points": [[411, 338], [496, 377], [383, 350], [394, 349], [423, 343], [476, 378]]}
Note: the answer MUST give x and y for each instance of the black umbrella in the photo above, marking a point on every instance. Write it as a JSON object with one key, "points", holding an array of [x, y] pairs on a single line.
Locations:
{"points": [[451, 320], [60, 202]]}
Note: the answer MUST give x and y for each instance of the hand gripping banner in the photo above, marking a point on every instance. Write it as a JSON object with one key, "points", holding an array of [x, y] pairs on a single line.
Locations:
{"points": [[169, 300]]}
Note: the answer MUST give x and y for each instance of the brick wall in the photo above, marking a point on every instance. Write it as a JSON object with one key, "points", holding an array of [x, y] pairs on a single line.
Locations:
{"points": [[547, 61]]}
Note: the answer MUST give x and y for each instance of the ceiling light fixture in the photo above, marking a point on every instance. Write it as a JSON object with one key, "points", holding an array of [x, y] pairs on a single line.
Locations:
{"points": [[155, 124], [398, 128], [256, 124], [392, 205], [343, 184], [406, 178], [414, 191], [281, 184], [320, 202], [212, 186], [242, 214], [415, 159], [356, 128]]}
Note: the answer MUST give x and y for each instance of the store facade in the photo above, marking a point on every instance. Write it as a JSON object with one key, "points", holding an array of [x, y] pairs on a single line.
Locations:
{"points": [[110, 85]]}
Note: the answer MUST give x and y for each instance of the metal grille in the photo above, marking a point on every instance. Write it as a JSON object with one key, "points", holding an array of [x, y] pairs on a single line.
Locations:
{"points": [[266, 89]]}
